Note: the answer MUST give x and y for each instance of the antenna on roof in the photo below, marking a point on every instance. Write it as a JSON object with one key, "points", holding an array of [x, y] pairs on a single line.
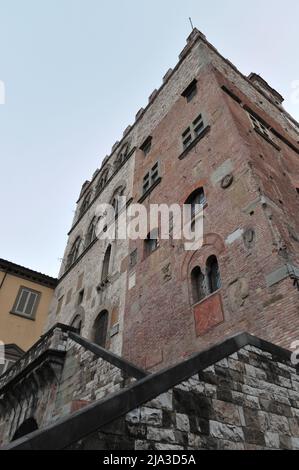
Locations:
{"points": [[192, 27]]}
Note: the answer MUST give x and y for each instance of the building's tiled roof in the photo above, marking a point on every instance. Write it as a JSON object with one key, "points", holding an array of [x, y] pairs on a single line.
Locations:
{"points": [[26, 273]]}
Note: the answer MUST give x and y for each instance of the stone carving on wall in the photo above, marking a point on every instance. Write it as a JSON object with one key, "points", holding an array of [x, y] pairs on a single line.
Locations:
{"points": [[238, 292]]}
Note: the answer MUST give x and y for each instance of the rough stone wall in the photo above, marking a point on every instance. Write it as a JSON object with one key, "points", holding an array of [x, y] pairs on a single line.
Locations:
{"points": [[247, 401], [86, 274], [85, 378], [57, 388]]}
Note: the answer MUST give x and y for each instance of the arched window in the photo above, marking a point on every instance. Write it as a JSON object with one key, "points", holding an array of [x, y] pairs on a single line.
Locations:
{"points": [[77, 324], [74, 253], [198, 285], [122, 155], [213, 274], [196, 200], [91, 233], [85, 204], [116, 201], [102, 181], [106, 264], [28, 426], [100, 329]]}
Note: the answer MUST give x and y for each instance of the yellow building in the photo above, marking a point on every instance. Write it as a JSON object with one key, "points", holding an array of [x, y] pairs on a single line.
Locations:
{"points": [[25, 297]]}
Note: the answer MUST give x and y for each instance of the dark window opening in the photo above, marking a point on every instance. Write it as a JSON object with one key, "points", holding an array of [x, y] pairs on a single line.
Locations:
{"points": [[213, 275], [81, 297], [74, 253], [100, 329], [146, 146], [85, 204], [198, 285], [151, 243], [192, 132], [91, 234], [133, 258], [196, 200], [77, 324], [190, 91], [151, 177], [106, 264]]}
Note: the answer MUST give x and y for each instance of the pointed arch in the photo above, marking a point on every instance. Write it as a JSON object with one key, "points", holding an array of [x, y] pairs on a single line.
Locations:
{"points": [[106, 264], [100, 329]]}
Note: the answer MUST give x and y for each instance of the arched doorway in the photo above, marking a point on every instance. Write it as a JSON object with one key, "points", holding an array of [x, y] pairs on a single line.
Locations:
{"points": [[100, 329], [77, 324], [27, 427]]}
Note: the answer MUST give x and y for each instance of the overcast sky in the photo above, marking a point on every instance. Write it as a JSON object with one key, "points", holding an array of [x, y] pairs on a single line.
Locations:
{"points": [[77, 71]]}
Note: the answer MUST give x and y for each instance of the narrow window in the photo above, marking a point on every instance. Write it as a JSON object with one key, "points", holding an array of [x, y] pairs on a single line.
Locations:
{"points": [[196, 200], [122, 155], [59, 305], [85, 204], [133, 258], [26, 302], [81, 297], [91, 233], [192, 132], [151, 177], [190, 91], [102, 181], [213, 275], [151, 243], [146, 146], [77, 324], [198, 285], [106, 264], [100, 329], [187, 138], [74, 253]]}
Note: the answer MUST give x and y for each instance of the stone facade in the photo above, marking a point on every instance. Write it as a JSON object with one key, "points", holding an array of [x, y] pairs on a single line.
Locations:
{"points": [[244, 162], [248, 401], [57, 377], [250, 219]]}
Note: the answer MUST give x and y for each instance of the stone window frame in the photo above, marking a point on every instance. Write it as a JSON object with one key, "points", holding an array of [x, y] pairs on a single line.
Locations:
{"points": [[207, 283], [91, 232], [59, 305], [193, 134], [85, 204], [74, 252], [263, 129], [146, 147], [102, 181], [151, 245], [22, 313], [191, 91], [151, 178]]}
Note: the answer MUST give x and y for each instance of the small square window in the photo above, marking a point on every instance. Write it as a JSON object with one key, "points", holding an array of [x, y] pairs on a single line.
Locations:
{"points": [[190, 91], [146, 146]]}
